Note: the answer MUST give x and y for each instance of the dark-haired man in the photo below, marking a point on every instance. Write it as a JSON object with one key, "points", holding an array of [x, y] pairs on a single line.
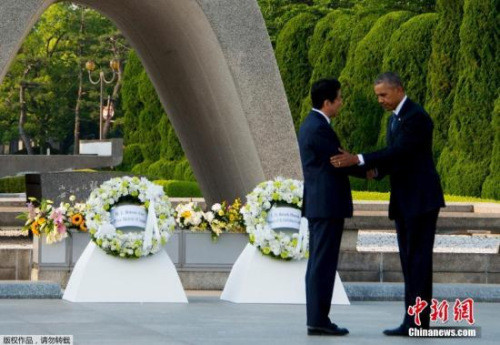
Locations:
{"points": [[416, 194], [327, 202]]}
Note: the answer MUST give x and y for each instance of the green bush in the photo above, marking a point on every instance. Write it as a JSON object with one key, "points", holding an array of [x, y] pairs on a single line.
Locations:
{"points": [[12, 185], [442, 74], [318, 38], [132, 155], [465, 162], [329, 57], [491, 186], [292, 56], [162, 168], [359, 120], [177, 189], [131, 104], [333, 54], [183, 171], [408, 54]]}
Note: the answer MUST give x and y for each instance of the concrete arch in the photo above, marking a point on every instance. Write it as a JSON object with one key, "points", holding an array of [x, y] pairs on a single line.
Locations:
{"points": [[214, 69]]}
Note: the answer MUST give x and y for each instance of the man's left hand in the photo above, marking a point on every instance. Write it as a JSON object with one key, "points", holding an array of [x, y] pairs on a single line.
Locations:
{"points": [[344, 159]]}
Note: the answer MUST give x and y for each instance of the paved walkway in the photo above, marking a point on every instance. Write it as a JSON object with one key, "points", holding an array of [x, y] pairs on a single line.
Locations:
{"points": [[206, 320]]}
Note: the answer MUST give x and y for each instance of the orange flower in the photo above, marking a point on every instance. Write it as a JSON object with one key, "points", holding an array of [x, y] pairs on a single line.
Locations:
{"points": [[83, 227], [34, 229], [41, 221], [77, 219]]}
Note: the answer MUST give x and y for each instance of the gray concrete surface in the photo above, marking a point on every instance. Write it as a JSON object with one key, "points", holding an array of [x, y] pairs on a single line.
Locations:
{"points": [[207, 320], [11, 165], [213, 67]]}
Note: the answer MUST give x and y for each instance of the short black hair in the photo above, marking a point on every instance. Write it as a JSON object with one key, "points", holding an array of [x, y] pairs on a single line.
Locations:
{"points": [[324, 89], [390, 78]]}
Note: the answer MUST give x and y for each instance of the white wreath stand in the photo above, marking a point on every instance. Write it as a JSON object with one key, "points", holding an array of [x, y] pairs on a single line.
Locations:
{"points": [[256, 278], [99, 277]]}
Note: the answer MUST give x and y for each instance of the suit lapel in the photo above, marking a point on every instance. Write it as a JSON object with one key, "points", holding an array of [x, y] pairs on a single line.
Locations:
{"points": [[401, 118]]}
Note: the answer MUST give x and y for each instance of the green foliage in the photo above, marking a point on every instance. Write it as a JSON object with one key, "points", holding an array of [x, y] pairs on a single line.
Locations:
{"points": [[359, 121], [321, 30], [328, 51], [292, 55], [50, 59], [131, 104], [132, 155], [464, 163], [491, 186], [179, 189], [332, 57], [162, 168], [12, 185], [442, 74], [408, 54], [277, 13], [362, 24], [161, 155]]}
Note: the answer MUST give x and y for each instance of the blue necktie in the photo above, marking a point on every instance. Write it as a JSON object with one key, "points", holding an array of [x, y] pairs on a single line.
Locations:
{"points": [[394, 119]]}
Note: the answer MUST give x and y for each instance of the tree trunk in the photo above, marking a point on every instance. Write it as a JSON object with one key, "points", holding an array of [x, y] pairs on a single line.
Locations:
{"points": [[22, 120], [76, 145]]}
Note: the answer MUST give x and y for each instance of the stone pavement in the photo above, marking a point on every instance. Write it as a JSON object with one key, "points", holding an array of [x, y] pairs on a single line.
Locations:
{"points": [[206, 320]]}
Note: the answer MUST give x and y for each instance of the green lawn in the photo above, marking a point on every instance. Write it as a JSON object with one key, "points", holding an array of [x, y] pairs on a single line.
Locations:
{"points": [[357, 195]]}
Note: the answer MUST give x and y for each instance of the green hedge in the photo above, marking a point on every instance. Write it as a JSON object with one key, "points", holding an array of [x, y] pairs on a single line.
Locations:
{"points": [[408, 54], [177, 189], [465, 162], [360, 118], [491, 186], [318, 38], [12, 185], [132, 155], [330, 56], [442, 74], [292, 56], [130, 103]]}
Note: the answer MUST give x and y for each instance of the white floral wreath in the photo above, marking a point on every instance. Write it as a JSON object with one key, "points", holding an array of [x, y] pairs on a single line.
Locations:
{"points": [[160, 221], [276, 244]]}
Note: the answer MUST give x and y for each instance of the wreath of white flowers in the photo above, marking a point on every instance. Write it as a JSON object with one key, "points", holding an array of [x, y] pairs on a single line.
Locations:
{"points": [[160, 224], [280, 192]]}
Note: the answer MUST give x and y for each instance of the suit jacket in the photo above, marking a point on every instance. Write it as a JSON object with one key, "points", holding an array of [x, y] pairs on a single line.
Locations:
{"points": [[327, 192], [407, 158]]}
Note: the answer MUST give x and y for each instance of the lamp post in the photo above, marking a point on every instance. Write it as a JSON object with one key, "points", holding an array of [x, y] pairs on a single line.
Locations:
{"points": [[115, 67]]}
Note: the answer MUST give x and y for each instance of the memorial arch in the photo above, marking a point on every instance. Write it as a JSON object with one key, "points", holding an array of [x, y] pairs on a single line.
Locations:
{"points": [[214, 69]]}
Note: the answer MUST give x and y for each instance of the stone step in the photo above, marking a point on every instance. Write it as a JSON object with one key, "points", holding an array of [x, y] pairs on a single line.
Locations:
{"points": [[29, 289], [447, 222], [12, 202], [14, 238], [384, 206], [8, 216], [361, 291]]}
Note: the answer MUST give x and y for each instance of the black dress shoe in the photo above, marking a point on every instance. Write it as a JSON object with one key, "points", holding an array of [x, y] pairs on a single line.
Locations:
{"points": [[333, 329], [401, 331]]}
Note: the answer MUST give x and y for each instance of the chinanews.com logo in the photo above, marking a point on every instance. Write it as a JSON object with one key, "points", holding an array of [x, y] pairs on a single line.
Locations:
{"points": [[463, 311]]}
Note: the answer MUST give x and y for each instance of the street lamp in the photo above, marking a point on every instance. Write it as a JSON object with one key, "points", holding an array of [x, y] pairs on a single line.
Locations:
{"points": [[115, 67]]}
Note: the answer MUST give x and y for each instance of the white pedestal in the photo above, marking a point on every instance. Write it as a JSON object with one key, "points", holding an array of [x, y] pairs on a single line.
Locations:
{"points": [[256, 278], [98, 277]]}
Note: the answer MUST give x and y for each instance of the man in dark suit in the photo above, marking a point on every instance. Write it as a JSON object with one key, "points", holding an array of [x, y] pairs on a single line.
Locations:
{"points": [[327, 202], [416, 193]]}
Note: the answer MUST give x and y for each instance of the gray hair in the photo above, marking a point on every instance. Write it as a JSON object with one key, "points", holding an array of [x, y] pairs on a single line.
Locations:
{"points": [[390, 78]]}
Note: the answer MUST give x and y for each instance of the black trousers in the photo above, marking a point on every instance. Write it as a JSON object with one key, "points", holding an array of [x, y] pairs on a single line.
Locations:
{"points": [[324, 244], [416, 241]]}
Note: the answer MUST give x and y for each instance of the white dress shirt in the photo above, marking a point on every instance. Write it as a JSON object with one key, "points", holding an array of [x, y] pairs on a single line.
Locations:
{"points": [[396, 112], [322, 113]]}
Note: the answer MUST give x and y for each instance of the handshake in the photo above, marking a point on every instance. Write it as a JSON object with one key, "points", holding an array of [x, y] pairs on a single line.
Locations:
{"points": [[346, 159]]}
